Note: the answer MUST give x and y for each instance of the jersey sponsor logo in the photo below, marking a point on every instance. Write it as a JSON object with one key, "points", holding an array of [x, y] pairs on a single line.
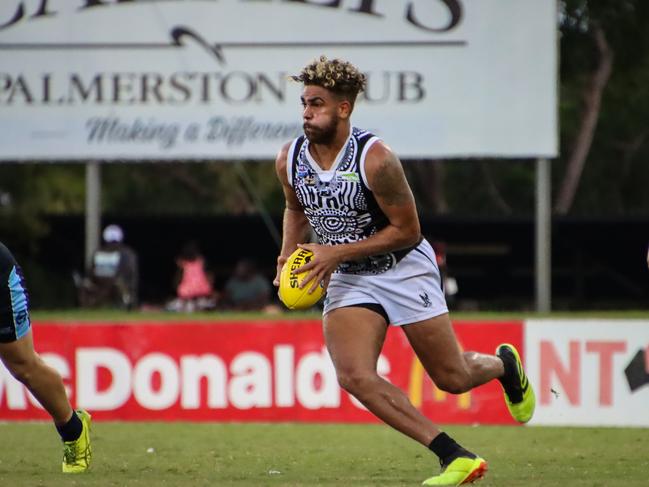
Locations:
{"points": [[348, 176]]}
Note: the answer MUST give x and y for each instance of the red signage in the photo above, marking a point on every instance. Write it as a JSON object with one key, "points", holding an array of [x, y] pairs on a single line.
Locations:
{"points": [[237, 371]]}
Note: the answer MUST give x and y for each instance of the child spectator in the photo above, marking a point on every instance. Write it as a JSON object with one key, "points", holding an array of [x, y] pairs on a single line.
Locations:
{"points": [[195, 291]]}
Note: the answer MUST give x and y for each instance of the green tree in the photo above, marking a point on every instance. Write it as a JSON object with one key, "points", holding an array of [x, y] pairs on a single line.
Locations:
{"points": [[196, 188], [604, 105], [603, 164], [28, 191]]}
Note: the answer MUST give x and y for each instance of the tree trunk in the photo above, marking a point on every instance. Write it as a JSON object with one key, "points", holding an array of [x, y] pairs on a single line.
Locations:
{"points": [[583, 142]]}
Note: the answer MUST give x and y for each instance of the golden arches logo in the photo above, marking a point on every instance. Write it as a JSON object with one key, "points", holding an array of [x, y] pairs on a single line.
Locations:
{"points": [[416, 388]]}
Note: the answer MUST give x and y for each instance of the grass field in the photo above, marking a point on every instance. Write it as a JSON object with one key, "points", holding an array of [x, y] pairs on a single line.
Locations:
{"points": [[192, 454]]}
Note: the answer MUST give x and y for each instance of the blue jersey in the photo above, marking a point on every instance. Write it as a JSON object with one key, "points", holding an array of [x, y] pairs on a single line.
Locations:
{"points": [[14, 300]]}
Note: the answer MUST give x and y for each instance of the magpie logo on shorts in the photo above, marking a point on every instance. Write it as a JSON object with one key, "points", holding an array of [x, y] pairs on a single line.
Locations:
{"points": [[425, 299]]}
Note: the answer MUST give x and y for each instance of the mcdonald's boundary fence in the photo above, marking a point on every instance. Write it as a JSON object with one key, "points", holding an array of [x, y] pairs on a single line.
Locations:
{"points": [[585, 372]]}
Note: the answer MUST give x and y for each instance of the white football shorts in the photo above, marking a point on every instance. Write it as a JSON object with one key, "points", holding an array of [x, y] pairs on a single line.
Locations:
{"points": [[409, 292]]}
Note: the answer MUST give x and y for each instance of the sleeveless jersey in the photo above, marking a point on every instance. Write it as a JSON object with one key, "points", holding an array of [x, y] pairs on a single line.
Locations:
{"points": [[338, 202]]}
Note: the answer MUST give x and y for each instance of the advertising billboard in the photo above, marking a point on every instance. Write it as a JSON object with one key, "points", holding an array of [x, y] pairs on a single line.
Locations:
{"points": [[146, 79]]}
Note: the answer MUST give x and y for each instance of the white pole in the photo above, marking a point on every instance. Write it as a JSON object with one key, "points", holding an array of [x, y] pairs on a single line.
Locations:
{"points": [[543, 237], [93, 210]]}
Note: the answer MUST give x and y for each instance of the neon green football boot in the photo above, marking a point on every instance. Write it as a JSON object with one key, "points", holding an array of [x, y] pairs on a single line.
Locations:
{"points": [[77, 453], [462, 470], [519, 396]]}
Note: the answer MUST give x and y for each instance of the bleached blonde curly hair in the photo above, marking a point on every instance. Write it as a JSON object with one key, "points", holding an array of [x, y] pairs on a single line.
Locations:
{"points": [[341, 77]]}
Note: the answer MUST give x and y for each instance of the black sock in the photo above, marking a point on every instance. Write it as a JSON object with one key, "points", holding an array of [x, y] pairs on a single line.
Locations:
{"points": [[447, 449], [508, 376], [71, 430], [509, 380]]}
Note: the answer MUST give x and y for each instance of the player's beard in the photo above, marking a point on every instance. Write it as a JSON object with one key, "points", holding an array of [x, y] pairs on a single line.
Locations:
{"points": [[321, 135]]}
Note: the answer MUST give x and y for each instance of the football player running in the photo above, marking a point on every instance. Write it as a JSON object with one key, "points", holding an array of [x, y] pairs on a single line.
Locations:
{"points": [[18, 355], [349, 187]]}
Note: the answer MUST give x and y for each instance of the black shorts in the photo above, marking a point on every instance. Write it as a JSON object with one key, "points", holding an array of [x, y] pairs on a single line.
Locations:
{"points": [[14, 300]]}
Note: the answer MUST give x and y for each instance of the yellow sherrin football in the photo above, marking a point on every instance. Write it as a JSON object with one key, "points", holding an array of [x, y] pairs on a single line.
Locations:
{"points": [[289, 284]]}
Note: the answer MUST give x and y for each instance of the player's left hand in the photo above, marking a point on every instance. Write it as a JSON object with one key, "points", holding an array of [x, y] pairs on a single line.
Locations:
{"points": [[326, 259]]}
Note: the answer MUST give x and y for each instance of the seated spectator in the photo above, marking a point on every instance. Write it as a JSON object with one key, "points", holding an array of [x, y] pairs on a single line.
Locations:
{"points": [[113, 279], [247, 289], [195, 291]]}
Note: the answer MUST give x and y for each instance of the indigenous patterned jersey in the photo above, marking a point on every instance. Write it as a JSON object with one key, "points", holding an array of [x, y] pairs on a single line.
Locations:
{"points": [[338, 202]]}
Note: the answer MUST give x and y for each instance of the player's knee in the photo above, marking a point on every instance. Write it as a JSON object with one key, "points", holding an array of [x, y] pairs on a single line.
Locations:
{"points": [[454, 382], [22, 370], [355, 382]]}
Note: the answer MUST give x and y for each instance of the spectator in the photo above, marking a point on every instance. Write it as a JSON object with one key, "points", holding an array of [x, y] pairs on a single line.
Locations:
{"points": [[195, 291], [114, 276], [247, 289]]}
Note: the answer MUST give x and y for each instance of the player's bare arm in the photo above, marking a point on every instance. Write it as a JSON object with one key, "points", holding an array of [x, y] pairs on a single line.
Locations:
{"points": [[388, 182], [295, 225]]}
